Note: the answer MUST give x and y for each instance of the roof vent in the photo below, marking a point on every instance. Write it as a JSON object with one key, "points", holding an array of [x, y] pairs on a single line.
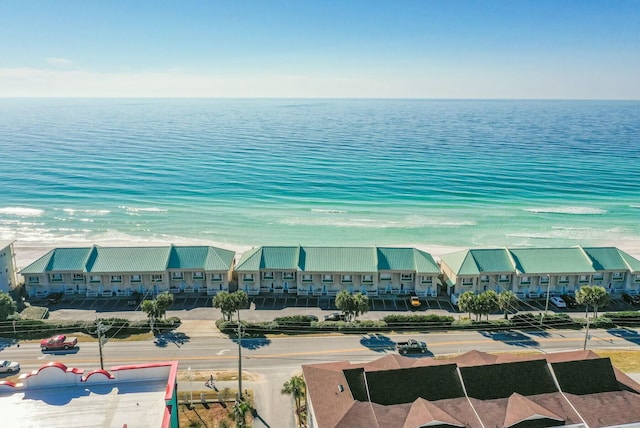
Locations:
{"points": [[340, 388]]}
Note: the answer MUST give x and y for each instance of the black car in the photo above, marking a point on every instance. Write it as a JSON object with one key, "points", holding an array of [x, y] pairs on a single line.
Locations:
{"points": [[54, 298], [629, 298], [334, 317], [570, 300]]}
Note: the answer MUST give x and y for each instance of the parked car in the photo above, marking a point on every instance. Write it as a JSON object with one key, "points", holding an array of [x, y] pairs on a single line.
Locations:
{"points": [[558, 302], [634, 299], [9, 366], [336, 316], [54, 298], [569, 300], [415, 301]]}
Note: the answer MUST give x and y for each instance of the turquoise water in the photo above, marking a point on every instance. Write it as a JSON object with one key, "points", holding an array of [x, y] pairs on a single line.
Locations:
{"points": [[242, 173]]}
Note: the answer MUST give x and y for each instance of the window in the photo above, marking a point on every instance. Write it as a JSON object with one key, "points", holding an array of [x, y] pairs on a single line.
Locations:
{"points": [[525, 280], [618, 276], [198, 275], [95, 278], [544, 279], [327, 278], [34, 280], [563, 279], [583, 278], [467, 282], [267, 275], [598, 276], [385, 277], [56, 277], [346, 278], [157, 277], [247, 277], [504, 278], [307, 278], [484, 278], [116, 278], [78, 277], [367, 278], [136, 278], [426, 279], [406, 277], [216, 277], [177, 275], [637, 279], [288, 275]]}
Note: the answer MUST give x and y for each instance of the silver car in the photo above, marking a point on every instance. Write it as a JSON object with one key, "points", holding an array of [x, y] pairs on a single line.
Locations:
{"points": [[9, 366]]}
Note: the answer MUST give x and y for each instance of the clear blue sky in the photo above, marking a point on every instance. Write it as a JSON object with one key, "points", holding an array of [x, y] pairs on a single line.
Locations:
{"points": [[303, 48]]}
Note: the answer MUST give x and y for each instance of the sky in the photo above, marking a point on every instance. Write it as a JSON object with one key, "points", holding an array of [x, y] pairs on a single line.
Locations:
{"points": [[536, 49]]}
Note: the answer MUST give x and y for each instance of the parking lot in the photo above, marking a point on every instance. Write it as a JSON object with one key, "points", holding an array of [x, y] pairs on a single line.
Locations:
{"points": [[199, 306]]}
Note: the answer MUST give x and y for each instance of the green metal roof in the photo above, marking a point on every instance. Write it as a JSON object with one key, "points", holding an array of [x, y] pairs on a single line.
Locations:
{"points": [[406, 259], [474, 262], [551, 260], [200, 257], [632, 262], [606, 258], [338, 259], [130, 259], [277, 258], [60, 260]]}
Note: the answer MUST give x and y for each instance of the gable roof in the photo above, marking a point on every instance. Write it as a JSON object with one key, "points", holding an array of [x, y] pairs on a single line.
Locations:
{"points": [[267, 257], [131, 259], [520, 409], [405, 259], [338, 259], [551, 260], [474, 262], [60, 260], [424, 413]]}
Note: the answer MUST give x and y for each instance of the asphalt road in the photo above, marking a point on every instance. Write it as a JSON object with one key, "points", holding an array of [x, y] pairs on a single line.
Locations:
{"points": [[275, 359]]}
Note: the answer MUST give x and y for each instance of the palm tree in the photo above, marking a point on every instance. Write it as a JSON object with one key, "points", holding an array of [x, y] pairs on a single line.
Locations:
{"points": [[594, 296], [507, 300], [297, 389]]}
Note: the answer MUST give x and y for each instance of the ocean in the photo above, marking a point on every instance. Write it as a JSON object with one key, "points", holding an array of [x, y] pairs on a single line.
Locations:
{"points": [[440, 175]]}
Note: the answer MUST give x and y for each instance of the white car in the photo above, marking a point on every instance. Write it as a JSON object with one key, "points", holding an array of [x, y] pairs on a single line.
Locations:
{"points": [[9, 366], [558, 302]]}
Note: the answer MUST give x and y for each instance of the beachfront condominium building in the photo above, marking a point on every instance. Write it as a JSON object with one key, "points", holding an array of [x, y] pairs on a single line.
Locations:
{"points": [[325, 271], [8, 270], [534, 272], [122, 271]]}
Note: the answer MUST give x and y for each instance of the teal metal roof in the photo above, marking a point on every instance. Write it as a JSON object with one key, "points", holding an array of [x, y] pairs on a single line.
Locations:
{"points": [[338, 259], [632, 262], [611, 258], [461, 261], [250, 261], [406, 259], [130, 259], [277, 258], [493, 260], [200, 257], [60, 260], [551, 260]]}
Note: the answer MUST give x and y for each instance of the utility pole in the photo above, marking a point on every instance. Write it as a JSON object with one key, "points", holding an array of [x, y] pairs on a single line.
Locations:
{"points": [[586, 334], [239, 358], [546, 306], [101, 328]]}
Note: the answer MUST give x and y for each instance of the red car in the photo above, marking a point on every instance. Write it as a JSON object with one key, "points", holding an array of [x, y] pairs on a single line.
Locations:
{"points": [[58, 342]]}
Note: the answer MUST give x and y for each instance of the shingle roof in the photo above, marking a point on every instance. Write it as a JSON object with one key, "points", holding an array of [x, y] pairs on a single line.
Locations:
{"points": [[520, 409]]}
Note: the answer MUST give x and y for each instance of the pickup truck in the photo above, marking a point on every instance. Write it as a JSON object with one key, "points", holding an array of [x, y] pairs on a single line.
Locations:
{"points": [[58, 342], [411, 346]]}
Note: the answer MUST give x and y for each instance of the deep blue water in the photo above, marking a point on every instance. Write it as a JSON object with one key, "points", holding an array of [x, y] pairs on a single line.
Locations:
{"points": [[240, 173]]}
